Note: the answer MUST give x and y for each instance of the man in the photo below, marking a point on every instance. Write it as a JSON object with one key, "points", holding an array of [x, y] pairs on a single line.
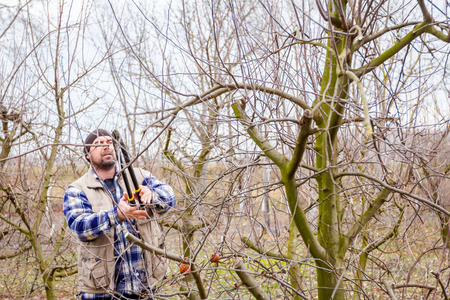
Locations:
{"points": [[97, 210]]}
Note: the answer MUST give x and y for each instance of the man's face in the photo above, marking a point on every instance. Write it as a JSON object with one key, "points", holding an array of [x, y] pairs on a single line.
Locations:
{"points": [[103, 157]]}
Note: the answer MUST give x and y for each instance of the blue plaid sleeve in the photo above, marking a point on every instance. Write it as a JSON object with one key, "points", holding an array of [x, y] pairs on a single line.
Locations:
{"points": [[87, 225], [165, 194]]}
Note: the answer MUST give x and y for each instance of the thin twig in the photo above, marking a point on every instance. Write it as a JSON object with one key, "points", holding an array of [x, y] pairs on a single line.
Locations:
{"points": [[389, 289]]}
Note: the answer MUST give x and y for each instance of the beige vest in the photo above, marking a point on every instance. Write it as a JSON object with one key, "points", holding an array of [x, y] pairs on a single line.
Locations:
{"points": [[96, 259]]}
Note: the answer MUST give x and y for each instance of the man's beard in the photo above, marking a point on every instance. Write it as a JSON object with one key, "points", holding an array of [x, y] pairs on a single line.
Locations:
{"points": [[104, 165]]}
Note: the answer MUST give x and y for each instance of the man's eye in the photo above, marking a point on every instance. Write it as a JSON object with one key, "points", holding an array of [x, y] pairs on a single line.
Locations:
{"points": [[103, 142]]}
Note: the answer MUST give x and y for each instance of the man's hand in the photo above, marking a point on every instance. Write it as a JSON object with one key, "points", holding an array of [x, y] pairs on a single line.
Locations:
{"points": [[125, 211], [146, 195]]}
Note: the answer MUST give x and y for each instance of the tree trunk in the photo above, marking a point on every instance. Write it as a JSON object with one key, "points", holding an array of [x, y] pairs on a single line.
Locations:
{"points": [[50, 291], [294, 270]]}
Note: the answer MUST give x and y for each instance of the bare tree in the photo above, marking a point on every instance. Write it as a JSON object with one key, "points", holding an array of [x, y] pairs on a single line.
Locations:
{"points": [[191, 139], [333, 95], [35, 110]]}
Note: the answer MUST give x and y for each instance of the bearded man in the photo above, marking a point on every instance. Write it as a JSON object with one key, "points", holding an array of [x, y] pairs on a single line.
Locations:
{"points": [[98, 212]]}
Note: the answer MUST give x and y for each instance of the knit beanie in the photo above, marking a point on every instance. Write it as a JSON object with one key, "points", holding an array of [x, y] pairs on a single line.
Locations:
{"points": [[91, 138]]}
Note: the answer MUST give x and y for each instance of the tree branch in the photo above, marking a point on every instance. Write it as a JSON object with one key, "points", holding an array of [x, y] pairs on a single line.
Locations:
{"points": [[11, 255], [156, 250], [270, 91], [393, 233], [62, 272], [278, 158], [300, 147], [172, 256], [397, 190], [363, 220], [256, 248], [439, 34], [426, 15], [397, 47], [363, 100], [253, 287], [389, 290], [441, 284], [288, 181], [358, 43]]}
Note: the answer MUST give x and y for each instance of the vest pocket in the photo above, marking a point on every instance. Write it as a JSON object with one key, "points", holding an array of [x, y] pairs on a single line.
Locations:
{"points": [[94, 273], [159, 266]]}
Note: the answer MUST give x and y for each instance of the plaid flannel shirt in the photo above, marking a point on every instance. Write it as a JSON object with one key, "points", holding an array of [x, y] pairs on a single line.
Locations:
{"points": [[130, 273]]}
